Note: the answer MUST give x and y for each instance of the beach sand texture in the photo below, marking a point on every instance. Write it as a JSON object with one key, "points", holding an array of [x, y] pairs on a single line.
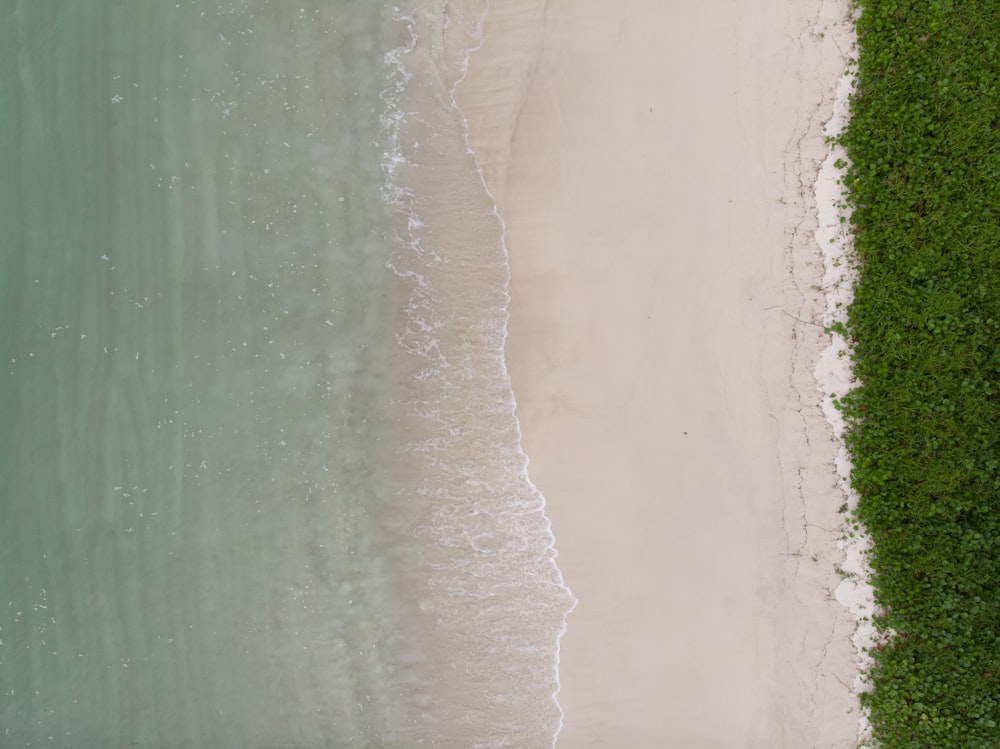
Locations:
{"points": [[654, 162]]}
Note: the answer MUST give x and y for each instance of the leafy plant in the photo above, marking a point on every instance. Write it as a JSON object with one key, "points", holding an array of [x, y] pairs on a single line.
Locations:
{"points": [[923, 181]]}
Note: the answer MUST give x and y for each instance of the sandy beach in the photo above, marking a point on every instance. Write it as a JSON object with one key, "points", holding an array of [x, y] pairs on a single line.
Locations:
{"points": [[664, 330]]}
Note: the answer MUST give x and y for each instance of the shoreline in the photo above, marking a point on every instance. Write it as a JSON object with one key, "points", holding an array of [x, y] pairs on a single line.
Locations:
{"points": [[665, 326]]}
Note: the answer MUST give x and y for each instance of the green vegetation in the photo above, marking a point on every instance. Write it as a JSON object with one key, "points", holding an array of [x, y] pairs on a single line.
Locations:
{"points": [[924, 425]]}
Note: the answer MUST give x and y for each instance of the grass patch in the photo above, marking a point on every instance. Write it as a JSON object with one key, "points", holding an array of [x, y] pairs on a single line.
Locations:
{"points": [[924, 424]]}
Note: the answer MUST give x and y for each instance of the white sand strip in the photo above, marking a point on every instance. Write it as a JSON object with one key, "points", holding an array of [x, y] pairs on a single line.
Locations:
{"points": [[666, 321]]}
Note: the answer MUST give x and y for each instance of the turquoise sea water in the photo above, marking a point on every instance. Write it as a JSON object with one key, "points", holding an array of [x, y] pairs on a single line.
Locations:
{"points": [[261, 481]]}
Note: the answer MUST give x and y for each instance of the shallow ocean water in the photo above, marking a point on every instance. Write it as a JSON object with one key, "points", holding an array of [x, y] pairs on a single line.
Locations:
{"points": [[261, 478]]}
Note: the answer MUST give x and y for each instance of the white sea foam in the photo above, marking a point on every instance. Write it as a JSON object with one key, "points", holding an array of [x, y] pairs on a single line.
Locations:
{"points": [[494, 581], [477, 36]]}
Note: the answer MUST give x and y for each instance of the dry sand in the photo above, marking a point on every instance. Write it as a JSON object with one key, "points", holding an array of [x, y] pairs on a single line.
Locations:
{"points": [[664, 329]]}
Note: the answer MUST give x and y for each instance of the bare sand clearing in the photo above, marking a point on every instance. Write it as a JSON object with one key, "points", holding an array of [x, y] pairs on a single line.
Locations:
{"points": [[664, 329]]}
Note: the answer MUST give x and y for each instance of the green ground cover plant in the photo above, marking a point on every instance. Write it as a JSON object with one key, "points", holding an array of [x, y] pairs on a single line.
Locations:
{"points": [[923, 181]]}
